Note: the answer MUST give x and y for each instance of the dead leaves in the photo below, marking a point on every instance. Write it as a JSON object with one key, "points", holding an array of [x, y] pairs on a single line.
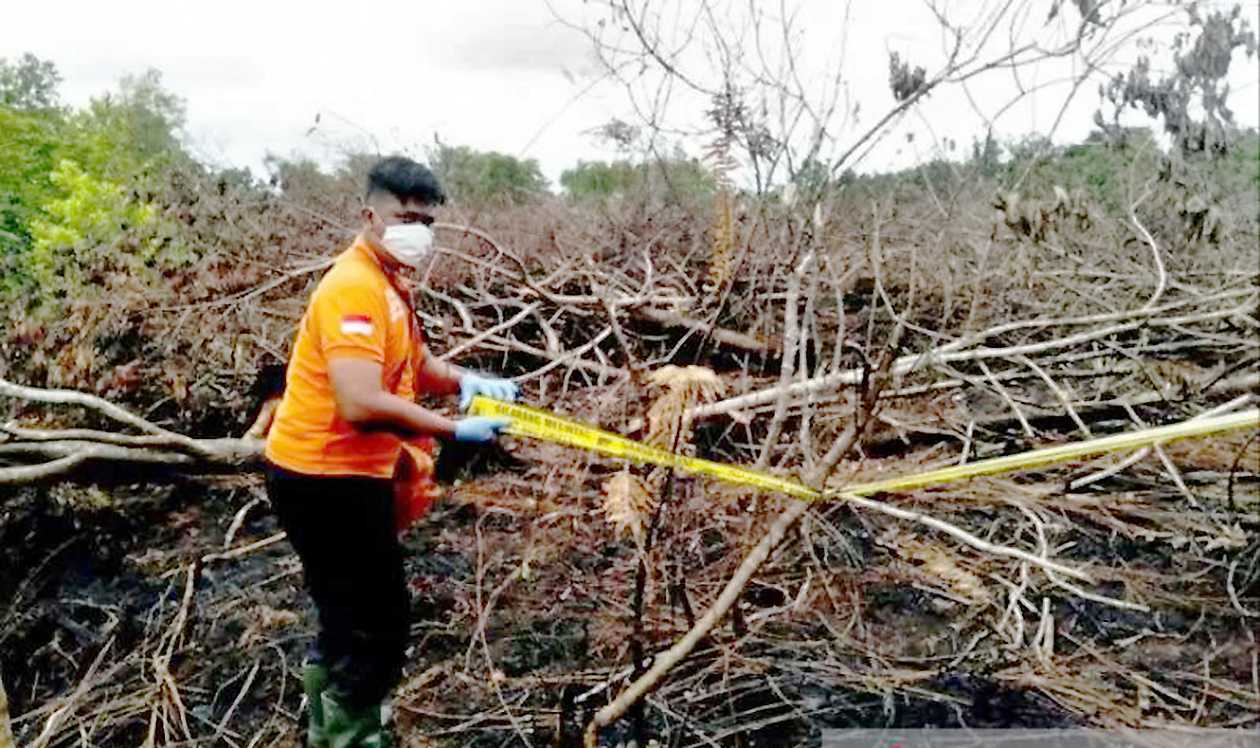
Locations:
{"points": [[628, 499], [685, 387], [628, 504]]}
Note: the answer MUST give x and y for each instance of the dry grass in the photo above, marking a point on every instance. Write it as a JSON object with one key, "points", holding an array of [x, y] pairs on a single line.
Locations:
{"points": [[856, 618]]}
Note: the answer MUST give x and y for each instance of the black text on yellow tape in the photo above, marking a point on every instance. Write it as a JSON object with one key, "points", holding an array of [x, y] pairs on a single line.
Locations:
{"points": [[540, 424]]}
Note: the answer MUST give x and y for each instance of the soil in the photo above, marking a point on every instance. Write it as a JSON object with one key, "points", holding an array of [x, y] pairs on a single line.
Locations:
{"points": [[99, 563]]}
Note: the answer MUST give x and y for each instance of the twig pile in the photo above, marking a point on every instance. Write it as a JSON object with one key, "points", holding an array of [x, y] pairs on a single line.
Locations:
{"points": [[881, 346]]}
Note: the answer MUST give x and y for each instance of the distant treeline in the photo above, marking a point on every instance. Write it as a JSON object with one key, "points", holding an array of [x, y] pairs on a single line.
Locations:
{"points": [[76, 184]]}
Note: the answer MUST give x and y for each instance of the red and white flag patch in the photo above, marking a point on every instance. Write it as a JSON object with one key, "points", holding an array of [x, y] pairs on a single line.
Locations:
{"points": [[356, 324]]}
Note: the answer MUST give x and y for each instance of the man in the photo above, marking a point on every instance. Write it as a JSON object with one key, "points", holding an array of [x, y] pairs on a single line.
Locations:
{"points": [[335, 443]]}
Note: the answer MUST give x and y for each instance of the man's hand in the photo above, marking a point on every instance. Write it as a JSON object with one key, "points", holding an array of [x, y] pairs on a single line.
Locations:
{"points": [[479, 429], [471, 385]]}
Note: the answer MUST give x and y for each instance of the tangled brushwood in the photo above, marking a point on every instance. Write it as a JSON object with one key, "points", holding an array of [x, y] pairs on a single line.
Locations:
{"points": [[700, 613], [854, 327]]}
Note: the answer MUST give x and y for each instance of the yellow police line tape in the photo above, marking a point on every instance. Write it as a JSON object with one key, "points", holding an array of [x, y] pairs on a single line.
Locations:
{"points": [[544, 425]]}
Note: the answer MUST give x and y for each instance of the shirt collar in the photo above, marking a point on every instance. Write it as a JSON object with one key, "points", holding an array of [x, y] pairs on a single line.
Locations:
{"points": [[362, 247]]}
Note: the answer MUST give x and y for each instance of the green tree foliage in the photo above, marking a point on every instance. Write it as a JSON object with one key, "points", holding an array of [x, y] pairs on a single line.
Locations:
{"points": [[676, 178], [602, 178], [75, 186], [471, 175], [1246, 157], [30, 84], [812, 179], [134, 129], [297, 177], [93, 214], [29, 144], [680, 177], [986, 155]]}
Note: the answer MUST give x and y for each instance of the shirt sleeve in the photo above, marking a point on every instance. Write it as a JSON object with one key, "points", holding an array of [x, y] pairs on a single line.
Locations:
{"points": [[351, 321]]}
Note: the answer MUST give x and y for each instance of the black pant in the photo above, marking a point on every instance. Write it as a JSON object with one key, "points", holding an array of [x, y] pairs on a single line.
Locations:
{"points": [[343, 531]]}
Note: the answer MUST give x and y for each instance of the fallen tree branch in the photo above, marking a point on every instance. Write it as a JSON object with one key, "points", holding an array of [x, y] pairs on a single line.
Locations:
{"points": [[223, 451], [244, 549], [1093, 411], [73, 397], [950, 354], [65, 455], [228, 452], [14, 476], [86, 435], [1160, 271], [256, 291], [787, 368], [481, 337], [719, 335], [970, 539], [71, 703], [572, 359]]}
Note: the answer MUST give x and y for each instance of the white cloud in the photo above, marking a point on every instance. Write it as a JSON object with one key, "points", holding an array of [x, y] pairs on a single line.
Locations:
{"points": [[493, 74]]}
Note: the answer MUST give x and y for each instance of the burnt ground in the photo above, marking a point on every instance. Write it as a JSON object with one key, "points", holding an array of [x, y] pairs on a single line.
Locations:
{"points": [[88, 565]]}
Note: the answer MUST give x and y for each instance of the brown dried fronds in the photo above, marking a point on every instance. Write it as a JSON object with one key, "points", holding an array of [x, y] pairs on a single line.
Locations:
{"points": [[723, 238], [726, 114], [729, 116], [937, 562], [628, 504], [685, 387]]}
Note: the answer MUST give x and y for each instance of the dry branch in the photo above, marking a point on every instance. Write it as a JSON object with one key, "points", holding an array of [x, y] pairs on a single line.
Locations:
{"points": [[950, 354], [676, 653], [16, 476], [66, 709], [6, 724], [64, 450], [719, 335], [791, 338], [71, 397]]}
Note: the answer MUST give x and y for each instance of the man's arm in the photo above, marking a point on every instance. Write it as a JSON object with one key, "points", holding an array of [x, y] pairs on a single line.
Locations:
{"points": [[363, 402], [444, 378], [436, 375]]}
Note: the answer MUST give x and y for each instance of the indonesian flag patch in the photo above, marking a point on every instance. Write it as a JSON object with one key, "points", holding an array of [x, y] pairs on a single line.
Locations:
{"points": [[356, 324]]}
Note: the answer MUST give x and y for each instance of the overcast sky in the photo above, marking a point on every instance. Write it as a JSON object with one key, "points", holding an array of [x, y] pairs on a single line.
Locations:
{"points": [[493, 74]]}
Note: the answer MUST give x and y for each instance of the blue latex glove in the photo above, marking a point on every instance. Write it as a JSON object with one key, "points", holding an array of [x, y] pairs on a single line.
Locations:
{"points": [[471, 385], [479, 429]]}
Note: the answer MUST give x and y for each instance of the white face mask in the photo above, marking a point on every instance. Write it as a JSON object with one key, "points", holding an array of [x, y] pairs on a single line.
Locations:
{"points": [[409, 243]]}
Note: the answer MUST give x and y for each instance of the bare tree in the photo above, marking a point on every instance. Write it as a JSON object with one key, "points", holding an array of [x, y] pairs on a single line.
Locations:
{"points": [[736, 67]]}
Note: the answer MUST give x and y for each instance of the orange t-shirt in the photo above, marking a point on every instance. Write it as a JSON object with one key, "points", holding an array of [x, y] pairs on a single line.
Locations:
{"points": [[355, 312]]}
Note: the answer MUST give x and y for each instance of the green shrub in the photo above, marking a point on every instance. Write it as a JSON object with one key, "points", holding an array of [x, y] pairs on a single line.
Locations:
{"points": [[478, 176]]}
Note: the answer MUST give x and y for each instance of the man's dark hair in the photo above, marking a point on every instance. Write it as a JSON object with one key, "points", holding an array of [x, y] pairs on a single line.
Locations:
{"points": [[406, 180]]}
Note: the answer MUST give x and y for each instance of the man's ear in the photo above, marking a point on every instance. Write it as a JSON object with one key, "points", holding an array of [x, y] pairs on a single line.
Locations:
{"points": [[371, 220]]}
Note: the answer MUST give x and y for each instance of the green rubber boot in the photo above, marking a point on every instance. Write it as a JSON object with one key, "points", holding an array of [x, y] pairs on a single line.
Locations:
{"points": [[315, 682], [347, 728]]}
